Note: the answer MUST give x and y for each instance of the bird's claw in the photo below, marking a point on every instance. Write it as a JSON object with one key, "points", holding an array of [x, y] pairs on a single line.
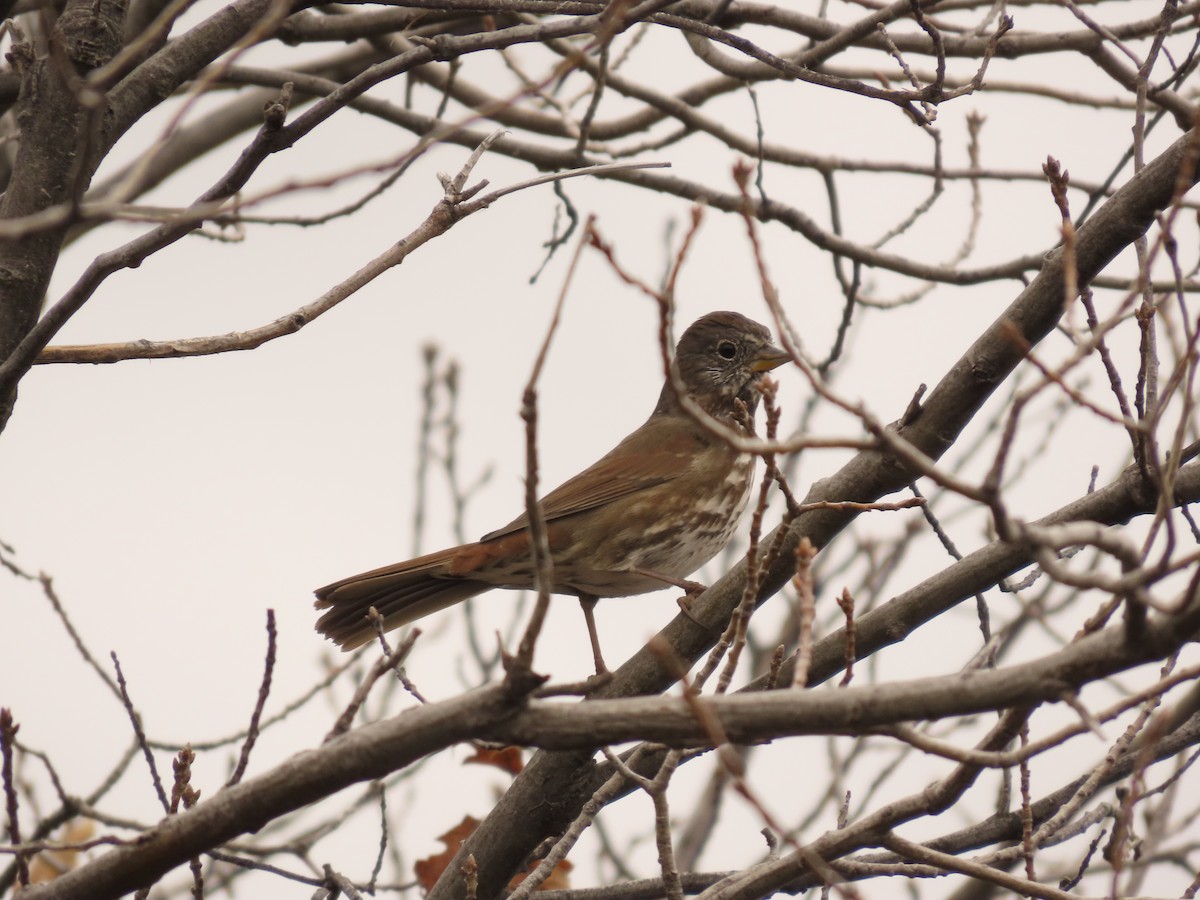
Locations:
{"points": [[593, 683], [685, 606]]}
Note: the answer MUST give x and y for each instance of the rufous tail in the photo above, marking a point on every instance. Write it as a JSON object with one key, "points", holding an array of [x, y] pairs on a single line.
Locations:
{"points": [[401, 594]]}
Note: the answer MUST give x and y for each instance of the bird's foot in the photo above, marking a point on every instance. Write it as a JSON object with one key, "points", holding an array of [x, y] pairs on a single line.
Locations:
{"points": [[585, 688], [685, 606], [691, 589], [593, 683]]}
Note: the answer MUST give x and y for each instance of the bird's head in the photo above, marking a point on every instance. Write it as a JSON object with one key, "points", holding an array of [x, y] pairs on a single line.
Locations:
{"points": [[719, 358]]}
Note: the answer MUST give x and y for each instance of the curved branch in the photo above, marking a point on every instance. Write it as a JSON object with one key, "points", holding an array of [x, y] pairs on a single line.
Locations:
{"points": [[445, 214]]}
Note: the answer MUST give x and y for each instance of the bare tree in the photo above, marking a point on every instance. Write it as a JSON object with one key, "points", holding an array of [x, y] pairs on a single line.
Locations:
{"points": [[850, 675]]}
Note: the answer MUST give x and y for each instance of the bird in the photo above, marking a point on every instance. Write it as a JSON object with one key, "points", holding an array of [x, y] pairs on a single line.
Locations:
{"points": [[652, 511]]}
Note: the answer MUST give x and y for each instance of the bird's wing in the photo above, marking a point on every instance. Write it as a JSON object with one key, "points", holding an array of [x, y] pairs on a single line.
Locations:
{"points": [[641, 461]]}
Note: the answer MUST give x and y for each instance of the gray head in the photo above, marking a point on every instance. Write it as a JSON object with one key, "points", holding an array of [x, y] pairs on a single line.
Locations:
{"points": [[719, 358]]}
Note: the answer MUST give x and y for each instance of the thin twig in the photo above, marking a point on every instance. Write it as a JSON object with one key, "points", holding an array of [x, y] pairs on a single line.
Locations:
{"points": [[264, 691]]}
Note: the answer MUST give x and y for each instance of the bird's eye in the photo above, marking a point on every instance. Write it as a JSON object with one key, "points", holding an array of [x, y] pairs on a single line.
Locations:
{"points": [[727, 349]]}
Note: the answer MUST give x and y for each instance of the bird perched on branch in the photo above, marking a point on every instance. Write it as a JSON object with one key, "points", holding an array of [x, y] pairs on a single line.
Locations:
{"points": [[658, 506]]}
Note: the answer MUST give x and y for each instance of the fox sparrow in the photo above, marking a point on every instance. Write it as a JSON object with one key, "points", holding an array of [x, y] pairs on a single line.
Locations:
{"points": [[662, 503]]}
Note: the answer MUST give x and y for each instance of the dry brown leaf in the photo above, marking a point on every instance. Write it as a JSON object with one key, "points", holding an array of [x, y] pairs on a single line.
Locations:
{"points": [[558, 880], [430, 869], [506, 758]]}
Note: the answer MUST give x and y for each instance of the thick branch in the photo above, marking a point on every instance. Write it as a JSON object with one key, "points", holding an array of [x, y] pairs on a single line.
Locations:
{"points": [[59, 119], [360, 755], [762, 716], [549, 792]]}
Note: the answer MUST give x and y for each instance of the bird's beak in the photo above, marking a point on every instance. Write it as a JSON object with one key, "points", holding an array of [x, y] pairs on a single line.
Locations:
{"points": [[769, 357]]}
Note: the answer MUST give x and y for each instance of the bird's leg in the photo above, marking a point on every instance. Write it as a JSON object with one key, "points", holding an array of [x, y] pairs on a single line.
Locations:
{"points": [[588, 604], [691, 590]]}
